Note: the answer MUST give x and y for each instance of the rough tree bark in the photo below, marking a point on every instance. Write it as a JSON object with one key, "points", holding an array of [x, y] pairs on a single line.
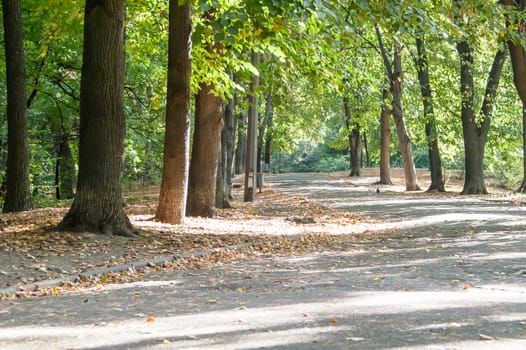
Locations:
{"points": [[251, 155], [241, 145], [174, 184], [518, 63], [435, 163], [404, 142], [355, 141], [385, 140], [97, 206], [205, 152], [264, 129], [18, 195], [475, 128], [224, 164]]}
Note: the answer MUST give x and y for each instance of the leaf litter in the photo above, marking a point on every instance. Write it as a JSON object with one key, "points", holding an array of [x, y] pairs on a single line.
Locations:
{"points": [[32, 250]]}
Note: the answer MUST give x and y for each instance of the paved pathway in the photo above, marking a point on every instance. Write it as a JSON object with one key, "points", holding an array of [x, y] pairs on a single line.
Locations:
{"points": [[453, 275]]}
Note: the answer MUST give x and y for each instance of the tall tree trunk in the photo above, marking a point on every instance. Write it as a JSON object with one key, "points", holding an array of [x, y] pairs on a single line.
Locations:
{"points": [[174, 184], [522, 187], [18, 195], [355, 141], [435, 163], [268, 144], [385, 132], [475, 130], [517, 52], [205, 152], [518, 63], [224, 164], [264, 127], [241, 146], [398, 115], [251, 166], [366, 148], [385, 140], [230, 125], [65, 168], [97, 206]]}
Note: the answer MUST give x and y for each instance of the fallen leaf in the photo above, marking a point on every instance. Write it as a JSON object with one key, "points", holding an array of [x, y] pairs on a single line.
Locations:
{"points": [[333, 320], [150, 319], [165, 341], [466, 286]]}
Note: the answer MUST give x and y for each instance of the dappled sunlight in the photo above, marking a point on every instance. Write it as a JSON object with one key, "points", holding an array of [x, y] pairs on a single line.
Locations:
{"points": [[272, 324]]}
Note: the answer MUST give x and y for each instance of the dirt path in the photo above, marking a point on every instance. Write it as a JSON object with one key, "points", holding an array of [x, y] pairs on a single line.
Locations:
{"points": [[442, 273]]}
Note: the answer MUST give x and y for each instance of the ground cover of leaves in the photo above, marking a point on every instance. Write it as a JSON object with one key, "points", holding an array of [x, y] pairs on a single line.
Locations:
{"points": [[32, 250]]}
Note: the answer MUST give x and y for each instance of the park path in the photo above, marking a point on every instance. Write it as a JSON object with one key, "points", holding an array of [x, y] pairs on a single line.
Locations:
{"points": [[449, 273]]}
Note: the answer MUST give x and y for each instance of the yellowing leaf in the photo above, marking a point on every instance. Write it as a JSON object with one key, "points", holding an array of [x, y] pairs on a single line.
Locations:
{"points": [[333, 320], [150, 319], [55, 291], [165, 341]]}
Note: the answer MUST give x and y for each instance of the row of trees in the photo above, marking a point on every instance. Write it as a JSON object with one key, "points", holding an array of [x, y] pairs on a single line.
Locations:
{"points": [[237, 58]]}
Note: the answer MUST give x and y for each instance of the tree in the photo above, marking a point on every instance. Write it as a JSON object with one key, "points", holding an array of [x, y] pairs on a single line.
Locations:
{"points": [[251, 155], [98, 204], [475, 129], [18, 197], [435, 163], [355, 140], [226, 158], [394, 75], [205, 152], [518, 63], [174, 184]]}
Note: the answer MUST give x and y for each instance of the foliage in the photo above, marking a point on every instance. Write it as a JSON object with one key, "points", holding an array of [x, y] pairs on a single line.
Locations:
{"points": [[314, 54]]}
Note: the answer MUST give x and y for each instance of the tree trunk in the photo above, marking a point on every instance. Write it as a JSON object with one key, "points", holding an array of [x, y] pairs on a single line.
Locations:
{"points": [[97, 206], [230, 124], [224, 164], [205, 152], [241, 147], [475, 130], [366, 148], [518, 63], [221, 196], [65, 170], [251, 166], [522, 187], [385, 140], [18, 195], [268, 144], [174, 183], [264, 129], [355, 141], [517, 53], [401, 130], [435, 163]]}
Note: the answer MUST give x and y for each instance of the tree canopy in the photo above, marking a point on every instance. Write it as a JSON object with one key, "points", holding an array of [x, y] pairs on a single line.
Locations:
{"points": [[314, 53]]}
